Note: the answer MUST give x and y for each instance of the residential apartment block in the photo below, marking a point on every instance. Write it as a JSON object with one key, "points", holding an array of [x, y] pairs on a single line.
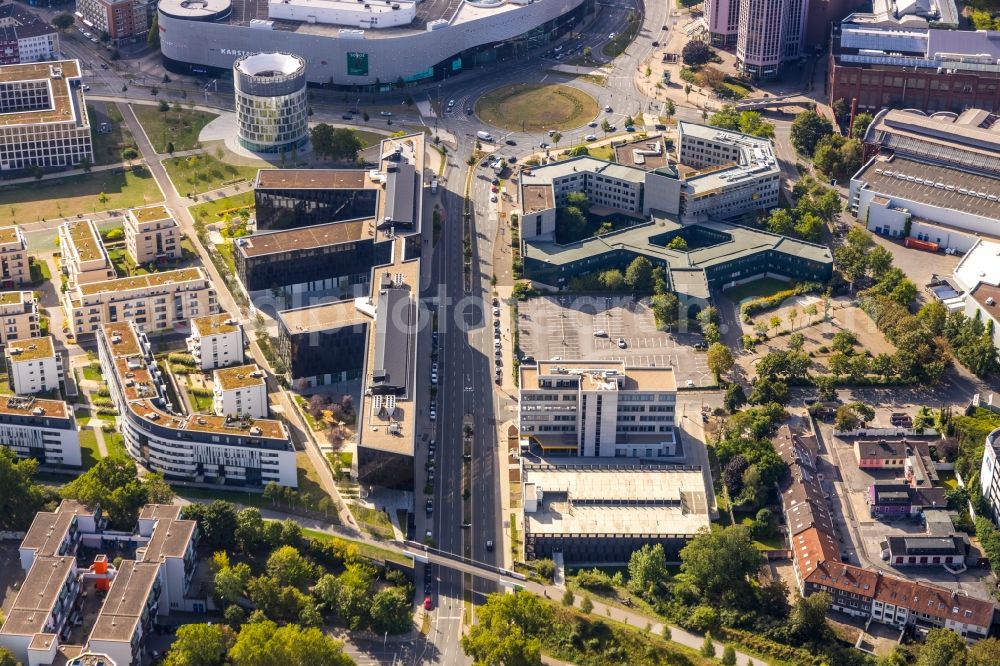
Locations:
{"points": [[234, 450], [598, 409], [45, 430], [24, 37], [152, 235], [862, 593], [989, 474], [240, 391], [84, 257], [216, 341], [14, 268], [881, 454], [154, 302], [44, 627], [33, 365], [18, 316], [124, 21], [43, 116]]}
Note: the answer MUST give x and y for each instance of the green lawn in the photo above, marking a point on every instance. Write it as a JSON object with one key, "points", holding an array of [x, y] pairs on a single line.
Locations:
{"points": [[365, 549], [211, 211], [201, 404], [178, 126], [756, 289], [108, 147], [535, 106], [605, 152], [948, 480], [226, 251], [373, 521], [115, 443], [83, 194], [93, 373], [90, 453], [202, 173], [369, 139]]}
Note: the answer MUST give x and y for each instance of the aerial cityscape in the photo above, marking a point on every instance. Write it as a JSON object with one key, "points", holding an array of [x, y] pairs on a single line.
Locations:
{"points": [[499, 332]]}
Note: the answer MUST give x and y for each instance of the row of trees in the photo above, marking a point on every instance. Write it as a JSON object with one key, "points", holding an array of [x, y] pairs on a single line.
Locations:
{"points": [[816, 206], [335, 143], [257, 643], [747, 122]]}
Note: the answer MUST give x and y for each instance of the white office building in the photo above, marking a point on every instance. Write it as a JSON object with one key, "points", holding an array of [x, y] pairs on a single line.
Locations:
{"points": [[216, 341], [240, 391], [233, 450], [33, 365], [45, 430], [598, 409]]}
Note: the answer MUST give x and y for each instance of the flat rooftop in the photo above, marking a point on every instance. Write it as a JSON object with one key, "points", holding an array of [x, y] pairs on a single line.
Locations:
{"points": [[609, 500], [38, 595], [239, 376], [323, 317], [151, 213], [14, 297], [306, 238], [537, 198], [217, 324], [65, 100], [648, 153], [626, 378], [940, 186], [10, 234], [148, 281], [934, 130], [48, 528], [126, 601], [541, 175], [160, 512], [313, 179], [987, 296], [30, 349], [29, 406], [170, 539], [86, 241]]}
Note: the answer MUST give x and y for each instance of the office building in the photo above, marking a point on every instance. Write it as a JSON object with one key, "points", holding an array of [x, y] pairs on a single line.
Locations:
{"points": [[18, 316], [152, 235], [45, 430], [154, 302], [198, 447], [216, 341], [43, 116], [271, 103], [24, 37], [598, 409], [294, 198], [722, 21], [123, 21], [33, 365], [770, 34], [348, 46], [886, 63], [989, 474], [323, 344], [605, 512], [240, 391], [84, 257], [14, 267], [861, 593]]}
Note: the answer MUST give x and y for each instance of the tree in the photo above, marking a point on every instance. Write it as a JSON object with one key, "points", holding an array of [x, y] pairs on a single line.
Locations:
{"points": [[170, 147], [556, 138], [809, 227], [507, 630], [153, 36], [249, 531], [6, 656], [586, 605], [940, 648], [735, 397], [807, 129], [696, 52], [767, 390], [230, 582], [605, 126], [586, 52], [687, 90], [163, 106], [321, 137], [21, 497], [669, 109], [780, 222], [647, 570], [217, 521], [808, 618], [984, 653], [114, 485], [568, 598], [879, 261], [353, 594], [729, 656], [719, 562], [289, 567], [235, 616], [129, 154], [665, 310], [200, 645], [841, 109], [720, 360], [710, 77], [612, 279], [63, 21], [861, 123], [639, 275], [732, 475], [266, 644], [837, 156], [678, 243], [391, 612], [708, 646]]}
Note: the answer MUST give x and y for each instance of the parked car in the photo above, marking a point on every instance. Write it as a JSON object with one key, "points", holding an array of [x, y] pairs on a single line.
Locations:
{"points": [[510, 142], [385, 113], [621, 343], [489, 546], [428, 603]]}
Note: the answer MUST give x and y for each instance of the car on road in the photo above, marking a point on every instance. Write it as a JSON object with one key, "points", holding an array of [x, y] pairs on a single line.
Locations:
{"points": [[497, 380], [496, 302], [434, 378], [612, 35], [429, 506], [590, 137], [495, 181], [630, 128], [512, 159], [496, 343], [433, 416], [656, 43], [95, 40], [489, 546], [496, 310], [468, 111], [608, 108], [493, 198], [592, 123], [690, 383], [451, 102], [87, 35], [543, 145], [621, 343], [85, 87], [510, 142], [428, 587], [104, 65], [428, 603], [700, 346], [385, 113], [431, 446]]}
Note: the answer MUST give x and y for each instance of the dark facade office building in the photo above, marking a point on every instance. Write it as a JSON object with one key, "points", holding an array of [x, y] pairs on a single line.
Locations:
{"points": [[295, 198], [320, 258], [323, 344]]}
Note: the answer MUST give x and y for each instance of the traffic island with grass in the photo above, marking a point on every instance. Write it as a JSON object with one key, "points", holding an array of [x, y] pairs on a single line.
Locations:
{"points": [[533, 106]]}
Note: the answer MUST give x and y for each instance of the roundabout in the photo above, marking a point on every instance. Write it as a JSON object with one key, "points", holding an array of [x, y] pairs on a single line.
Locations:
{"points": [[530, 107]]}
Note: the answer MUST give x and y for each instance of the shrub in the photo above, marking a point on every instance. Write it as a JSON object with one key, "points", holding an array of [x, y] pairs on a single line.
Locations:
{"points": [[763, 303]]}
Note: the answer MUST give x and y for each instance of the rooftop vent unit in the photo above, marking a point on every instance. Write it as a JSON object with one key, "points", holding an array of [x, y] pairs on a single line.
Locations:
{"points": [[991, 301], [255, 431]]}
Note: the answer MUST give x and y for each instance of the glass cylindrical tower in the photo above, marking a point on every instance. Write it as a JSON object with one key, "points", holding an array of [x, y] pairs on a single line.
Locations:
{"points": [[271, 104]]}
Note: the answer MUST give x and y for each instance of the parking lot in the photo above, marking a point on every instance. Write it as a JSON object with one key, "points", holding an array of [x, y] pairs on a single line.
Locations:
{"points": [[564, 327]]}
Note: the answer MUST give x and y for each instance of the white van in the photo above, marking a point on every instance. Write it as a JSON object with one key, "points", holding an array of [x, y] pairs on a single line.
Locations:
{"points": [[484, 136], [600, 334]]}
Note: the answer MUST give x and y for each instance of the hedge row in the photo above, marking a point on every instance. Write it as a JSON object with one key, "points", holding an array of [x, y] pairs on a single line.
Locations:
{"points": [[768, 648], [762, 303]]}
